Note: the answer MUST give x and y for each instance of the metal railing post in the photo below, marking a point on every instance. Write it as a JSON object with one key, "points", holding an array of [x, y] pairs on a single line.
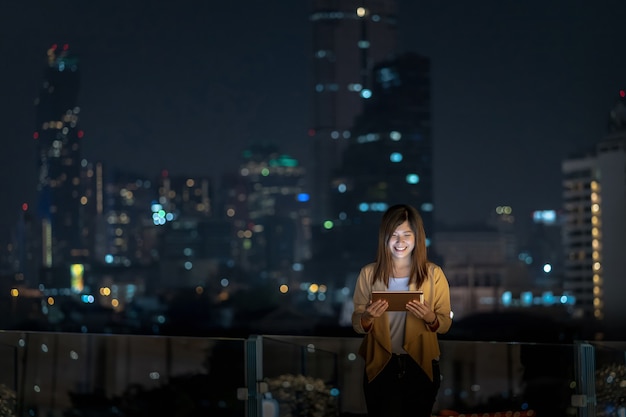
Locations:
{"points": [[254, 376], [585, 399]]}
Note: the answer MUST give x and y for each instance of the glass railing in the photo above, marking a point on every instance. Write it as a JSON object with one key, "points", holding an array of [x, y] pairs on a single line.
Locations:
{"points": [[67, 374], [73, 374]]}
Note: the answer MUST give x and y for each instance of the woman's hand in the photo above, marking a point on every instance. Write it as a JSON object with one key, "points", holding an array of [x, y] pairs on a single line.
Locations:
{"points": [[372, 311], [421, 310]]}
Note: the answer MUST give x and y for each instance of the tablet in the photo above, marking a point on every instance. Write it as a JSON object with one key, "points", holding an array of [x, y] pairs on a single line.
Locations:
{"points": [[398, 299]]}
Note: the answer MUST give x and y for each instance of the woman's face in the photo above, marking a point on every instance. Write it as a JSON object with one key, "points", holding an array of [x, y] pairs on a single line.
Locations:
{"points": [[402, 241]]}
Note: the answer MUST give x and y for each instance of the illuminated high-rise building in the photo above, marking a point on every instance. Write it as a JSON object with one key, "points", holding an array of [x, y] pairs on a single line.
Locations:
{"points": [[269, 209], [123, 219], [594, 231], [388, 160], [349, 38], [58, 143]]}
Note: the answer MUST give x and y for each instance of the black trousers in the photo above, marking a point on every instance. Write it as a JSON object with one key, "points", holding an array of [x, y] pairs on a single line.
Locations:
{"points": [[402, 389]]}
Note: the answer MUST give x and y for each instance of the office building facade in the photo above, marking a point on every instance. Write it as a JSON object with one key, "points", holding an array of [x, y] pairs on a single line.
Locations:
{"points": [[594, 231]]}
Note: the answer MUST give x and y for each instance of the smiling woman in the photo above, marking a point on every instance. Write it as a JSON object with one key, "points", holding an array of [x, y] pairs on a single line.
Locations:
{"points": [[401, 302]]}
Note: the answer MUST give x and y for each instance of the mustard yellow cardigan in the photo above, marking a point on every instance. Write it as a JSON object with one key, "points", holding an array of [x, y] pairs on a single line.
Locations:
{"points": [[419, 340]]}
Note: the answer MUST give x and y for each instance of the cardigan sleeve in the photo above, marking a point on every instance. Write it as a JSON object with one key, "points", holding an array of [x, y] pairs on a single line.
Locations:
{"points": [[441, 303]]}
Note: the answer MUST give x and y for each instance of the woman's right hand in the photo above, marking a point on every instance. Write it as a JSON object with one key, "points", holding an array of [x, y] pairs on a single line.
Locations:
{"points": [[372, 311]]}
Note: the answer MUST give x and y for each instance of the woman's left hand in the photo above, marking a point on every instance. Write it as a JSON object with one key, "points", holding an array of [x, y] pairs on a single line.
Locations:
{"points": [[421, 310]]}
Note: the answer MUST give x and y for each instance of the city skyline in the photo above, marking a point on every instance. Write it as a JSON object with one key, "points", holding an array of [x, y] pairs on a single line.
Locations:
{"points": [[515, 89]]}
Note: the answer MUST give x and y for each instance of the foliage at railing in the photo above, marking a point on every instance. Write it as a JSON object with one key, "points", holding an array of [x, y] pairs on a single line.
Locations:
{"points": [[7, 401], [303, 396], [611, 389]]}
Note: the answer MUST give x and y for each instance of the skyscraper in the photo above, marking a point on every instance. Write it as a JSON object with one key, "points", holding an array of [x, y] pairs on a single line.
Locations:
{"points": [[388, 160], [594, 231], [59, 152], [349, 38]]}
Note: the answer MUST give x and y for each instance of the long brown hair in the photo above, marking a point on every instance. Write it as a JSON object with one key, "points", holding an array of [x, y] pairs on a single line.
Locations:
{"points": [[392, 218]]}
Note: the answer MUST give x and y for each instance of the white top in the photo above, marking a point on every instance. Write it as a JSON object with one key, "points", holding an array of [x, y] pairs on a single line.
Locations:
{"points": [[397, 319]]}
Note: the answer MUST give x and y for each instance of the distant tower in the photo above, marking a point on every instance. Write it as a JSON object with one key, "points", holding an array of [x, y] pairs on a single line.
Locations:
{"points": [[59, 150], [349, 38], [388, 160]]}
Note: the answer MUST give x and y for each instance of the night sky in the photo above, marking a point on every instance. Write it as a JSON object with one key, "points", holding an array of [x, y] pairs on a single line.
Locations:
{"points": [[187, 85]]}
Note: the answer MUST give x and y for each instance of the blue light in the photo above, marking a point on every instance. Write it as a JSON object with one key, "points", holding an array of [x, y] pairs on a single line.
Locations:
{"points": [[375, 206], [507, 297], [87, 298], [395, 157], [545, 216], [395, 135], [412, 178], [366, 93], [427, 207], [380, 207], [303, 197], [547, 298]]}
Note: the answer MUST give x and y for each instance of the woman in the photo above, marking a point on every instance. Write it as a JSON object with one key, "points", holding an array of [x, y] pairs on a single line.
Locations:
{"points": [[400, 348]]}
